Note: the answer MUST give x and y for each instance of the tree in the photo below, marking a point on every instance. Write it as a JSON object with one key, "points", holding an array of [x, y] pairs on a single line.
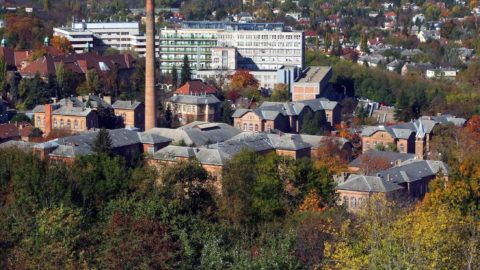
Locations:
{"points": [[3, 74], [46, 5], [131, 242], [364, 44], [328, 41], [226, 113], [174, 78], [186, 72], [313, 123], [280, 93], [62, 44], [103, 143], [186, 184]]}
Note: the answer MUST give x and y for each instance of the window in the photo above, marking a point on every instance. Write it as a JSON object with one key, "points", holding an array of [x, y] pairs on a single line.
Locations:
{"points": [[256, 127], [61, 123], [269, 128], [55, 122], [75, 124], [250, 127], [39, 121], [345, 201], [69, 123], [353, 202], [244, 126]]}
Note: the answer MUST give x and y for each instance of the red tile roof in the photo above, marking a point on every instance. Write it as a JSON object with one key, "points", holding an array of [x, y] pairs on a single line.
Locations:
{"points": [[196, 88]]}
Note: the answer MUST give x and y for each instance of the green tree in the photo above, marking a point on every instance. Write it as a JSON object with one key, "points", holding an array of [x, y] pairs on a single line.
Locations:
{"points": [[174, 78], [364, 44], [3, 74], [227, 113], [102, 143], [186, 72]]}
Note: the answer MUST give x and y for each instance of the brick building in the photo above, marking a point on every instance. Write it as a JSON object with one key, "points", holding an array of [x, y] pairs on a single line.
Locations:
{"points": [[190, 108], [286, 116], [131, 112]]}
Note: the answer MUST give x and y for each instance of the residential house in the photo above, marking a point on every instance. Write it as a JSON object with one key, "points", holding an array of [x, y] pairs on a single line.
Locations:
{"points": [[131, 112], [373, 60], [189, 108], [286, 116], [416, 68], [394, 65], [196, 88], [426, 35], [441, 73]]}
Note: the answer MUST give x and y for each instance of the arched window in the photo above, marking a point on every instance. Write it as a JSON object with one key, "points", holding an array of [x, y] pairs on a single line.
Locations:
{"points": [[39, 121], [62, 123], [244, 126], [250, 127], [353, 202], [55, 122], [69, 123], [256, 127], [75, 124], [345, 201]]}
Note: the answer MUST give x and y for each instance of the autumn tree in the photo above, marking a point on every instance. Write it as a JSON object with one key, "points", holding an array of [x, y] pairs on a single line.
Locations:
{"points": [[133, 242], [62, 44], [244, 84]]}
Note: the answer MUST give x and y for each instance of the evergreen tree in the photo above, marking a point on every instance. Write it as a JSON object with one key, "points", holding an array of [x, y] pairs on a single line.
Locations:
{"points": [[168, 117], [364, 44], [227, 113], [3, 74], [174, 78], [103, 142], [186, 72], [328, 41]]}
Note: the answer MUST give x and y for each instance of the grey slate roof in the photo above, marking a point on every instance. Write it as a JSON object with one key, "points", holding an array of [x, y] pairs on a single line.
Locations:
{"points": [[210, 156], [420, 127], [414, 170], [64, 110], [198, 133], [271, 110], [81, 144], [126, 104], [197, 100], [368, 184], [21, 145]]}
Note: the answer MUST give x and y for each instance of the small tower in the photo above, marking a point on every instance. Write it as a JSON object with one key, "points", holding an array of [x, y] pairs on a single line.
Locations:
{"points": [[420, 138], [46, 41]]}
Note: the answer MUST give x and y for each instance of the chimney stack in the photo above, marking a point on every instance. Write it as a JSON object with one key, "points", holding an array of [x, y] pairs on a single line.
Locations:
{"points": [[150, 104], [48, 119]]}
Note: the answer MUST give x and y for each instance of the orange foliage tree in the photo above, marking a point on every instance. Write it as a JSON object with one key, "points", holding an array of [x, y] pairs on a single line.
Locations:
{"points": [[62, 44], [331, 155]]}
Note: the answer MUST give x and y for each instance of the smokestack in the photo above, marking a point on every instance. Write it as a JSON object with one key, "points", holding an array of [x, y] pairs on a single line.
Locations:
{"points": [[48, 119], [150, 104]]}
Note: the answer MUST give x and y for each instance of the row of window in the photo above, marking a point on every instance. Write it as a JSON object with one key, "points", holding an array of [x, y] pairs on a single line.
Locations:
{"points": [[352, 202], [262, 36], [252, 127]]}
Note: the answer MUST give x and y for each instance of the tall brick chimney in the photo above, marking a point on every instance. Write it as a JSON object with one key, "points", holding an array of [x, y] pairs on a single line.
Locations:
{"points": [[48, 119], [150, 104]]}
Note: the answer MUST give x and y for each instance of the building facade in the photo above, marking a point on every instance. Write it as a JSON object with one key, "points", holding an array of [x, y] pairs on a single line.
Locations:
{"points": [[312, 84], [190, 108]]}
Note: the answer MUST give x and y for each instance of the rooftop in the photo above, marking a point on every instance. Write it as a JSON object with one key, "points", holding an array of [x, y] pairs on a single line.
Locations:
{"points": [[315, 74]]}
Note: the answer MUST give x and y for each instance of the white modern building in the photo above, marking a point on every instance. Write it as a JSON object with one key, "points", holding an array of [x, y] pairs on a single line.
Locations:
{"points": [[81, 40], [101, 35]]}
